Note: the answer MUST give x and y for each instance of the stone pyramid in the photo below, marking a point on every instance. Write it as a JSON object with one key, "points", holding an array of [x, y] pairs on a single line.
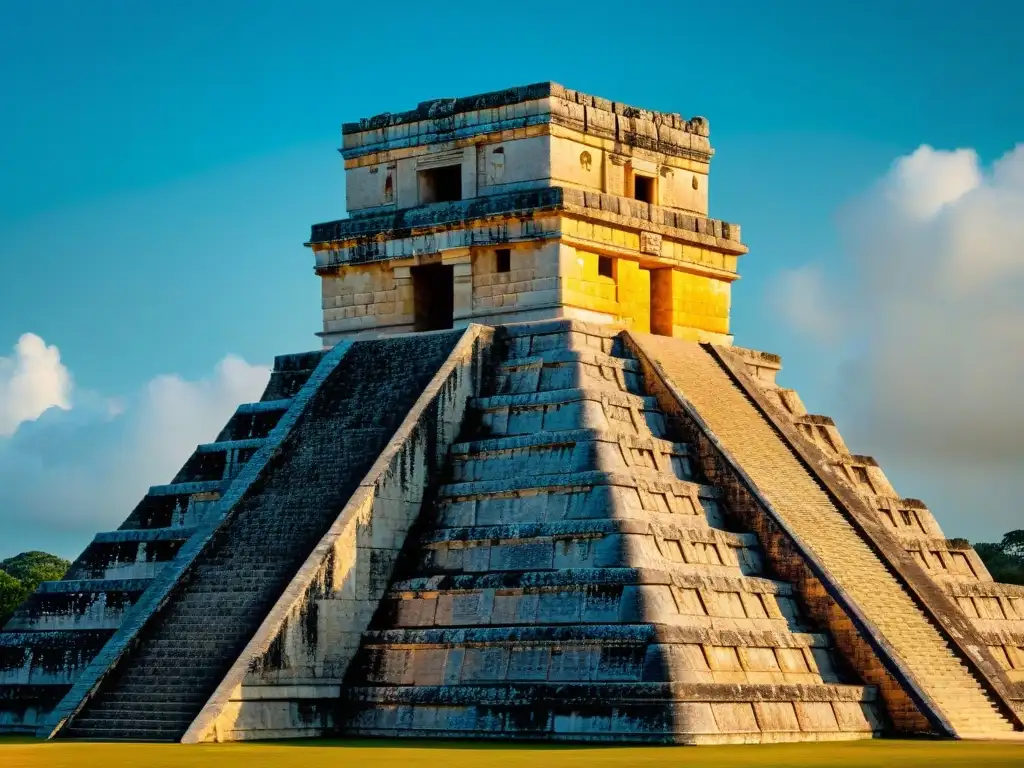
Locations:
{"points": [[529, 488], [577, 577]]}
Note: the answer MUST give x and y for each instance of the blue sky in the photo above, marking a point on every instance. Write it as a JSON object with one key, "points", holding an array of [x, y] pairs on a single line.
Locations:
{"points": [[160, 164]]}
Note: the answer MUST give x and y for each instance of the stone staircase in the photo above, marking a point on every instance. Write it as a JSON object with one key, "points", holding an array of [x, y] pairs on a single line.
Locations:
{"points": [[183, 651], [954, 683], [65, 624], [575, 578], [996, 610]]}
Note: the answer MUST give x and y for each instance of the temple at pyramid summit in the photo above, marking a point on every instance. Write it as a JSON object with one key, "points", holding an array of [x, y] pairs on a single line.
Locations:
{"points": [[526, 487]]}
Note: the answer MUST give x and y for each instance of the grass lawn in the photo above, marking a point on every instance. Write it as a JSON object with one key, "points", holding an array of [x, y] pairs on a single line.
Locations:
{"points": [[15, 753]]}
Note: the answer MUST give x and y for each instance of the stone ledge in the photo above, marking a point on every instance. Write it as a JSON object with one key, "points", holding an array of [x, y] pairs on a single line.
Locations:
{"points": [[582, 578], [569, 480], [436, 109], [373, 229], [566, 437], [594, 528], [565, 693], [263, 406], [605, 634], [534, 328], [558, 356], [230, 445], [75, 586], [131, 535], [31, 639], [984, 589], [561, 397]]}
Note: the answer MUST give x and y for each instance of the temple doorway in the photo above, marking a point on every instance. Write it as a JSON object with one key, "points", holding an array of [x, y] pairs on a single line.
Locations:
{"points": [[433, 295]]}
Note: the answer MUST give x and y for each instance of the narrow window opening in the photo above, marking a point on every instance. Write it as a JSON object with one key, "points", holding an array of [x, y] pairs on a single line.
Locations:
{"points": [[433, 295], [504, 259], [604, 266], [439, 185], [643, 188]]}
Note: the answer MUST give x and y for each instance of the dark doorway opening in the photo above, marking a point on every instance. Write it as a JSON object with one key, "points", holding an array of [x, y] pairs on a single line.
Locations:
{"points": [[643, 188], [433, 296], [439, 185]]}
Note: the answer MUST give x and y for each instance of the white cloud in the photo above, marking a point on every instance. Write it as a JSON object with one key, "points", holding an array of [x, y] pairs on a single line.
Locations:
{"points": [[799, 297], [70, 473], [32, 380], [936, 304]]}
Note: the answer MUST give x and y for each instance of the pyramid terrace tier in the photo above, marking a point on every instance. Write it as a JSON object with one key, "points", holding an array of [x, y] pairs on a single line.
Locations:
{"points": [[595, 653], [592, 495], [677, 713], [593, 596], [587, 544]]}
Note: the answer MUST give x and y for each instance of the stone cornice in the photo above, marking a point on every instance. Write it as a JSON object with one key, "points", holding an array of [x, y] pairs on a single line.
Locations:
{"points": [[448, 120], [595, 206], [441, 108]]}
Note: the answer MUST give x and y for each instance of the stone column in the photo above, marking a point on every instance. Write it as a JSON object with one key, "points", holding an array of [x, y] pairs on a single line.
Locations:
{"points": [[461, 261], [404, 305]]}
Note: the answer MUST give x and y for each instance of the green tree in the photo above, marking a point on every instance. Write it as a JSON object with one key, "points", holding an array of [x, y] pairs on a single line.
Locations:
{"points": [[12, 593], [30, 568], [1005, 560]]}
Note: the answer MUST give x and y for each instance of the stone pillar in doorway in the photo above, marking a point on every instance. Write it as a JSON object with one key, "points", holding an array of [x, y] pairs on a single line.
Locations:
{"points": [[462, 275]]}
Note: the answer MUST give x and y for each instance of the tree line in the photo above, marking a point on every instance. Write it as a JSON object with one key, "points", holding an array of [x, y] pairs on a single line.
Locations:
{"points": [[21, 574]]}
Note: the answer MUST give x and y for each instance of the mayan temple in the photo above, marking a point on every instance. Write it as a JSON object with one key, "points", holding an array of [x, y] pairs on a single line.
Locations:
{"points": [[527, 488]]}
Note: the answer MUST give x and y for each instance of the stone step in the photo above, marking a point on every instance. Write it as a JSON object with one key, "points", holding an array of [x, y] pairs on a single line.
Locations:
{"points": [[577, 450], [586, 544], [127, 729], [565, 409], [126, 699]]}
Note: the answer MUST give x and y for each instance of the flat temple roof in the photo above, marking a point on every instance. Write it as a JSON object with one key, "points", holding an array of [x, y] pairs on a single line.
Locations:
{"points": [[440, 108]]}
